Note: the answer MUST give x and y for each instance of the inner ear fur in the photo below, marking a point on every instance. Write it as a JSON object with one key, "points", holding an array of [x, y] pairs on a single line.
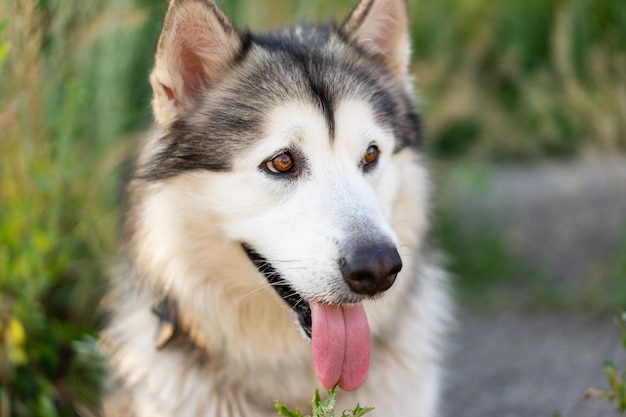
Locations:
{"points": [[196, 46], [381, 27]]}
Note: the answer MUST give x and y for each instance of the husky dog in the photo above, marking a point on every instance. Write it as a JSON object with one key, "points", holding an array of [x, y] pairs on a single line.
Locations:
{"points": [[274, 238]]}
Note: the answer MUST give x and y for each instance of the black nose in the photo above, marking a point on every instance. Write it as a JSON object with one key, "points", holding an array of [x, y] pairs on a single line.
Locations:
{"points": [[371, 269]]}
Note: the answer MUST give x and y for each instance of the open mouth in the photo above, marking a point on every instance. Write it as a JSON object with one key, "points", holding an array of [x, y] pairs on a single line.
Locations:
{"points": [[294, 300], [339, 333]]}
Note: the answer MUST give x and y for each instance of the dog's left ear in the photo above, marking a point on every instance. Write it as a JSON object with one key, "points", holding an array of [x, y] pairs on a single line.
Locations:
{"points": [[196, 47], [382, 28]]}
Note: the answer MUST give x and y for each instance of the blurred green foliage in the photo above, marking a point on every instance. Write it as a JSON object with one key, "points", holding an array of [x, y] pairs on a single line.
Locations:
{"points": [[508, 78], [521, 79], [67, 99]]}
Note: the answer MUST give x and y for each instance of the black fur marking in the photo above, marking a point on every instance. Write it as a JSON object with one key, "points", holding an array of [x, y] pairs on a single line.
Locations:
{"points": [[246, 44], [412, 132], [332, 76], [207, 146], [321, 91], [183, 151], [305, 51], [301, 45], [280, 285]]}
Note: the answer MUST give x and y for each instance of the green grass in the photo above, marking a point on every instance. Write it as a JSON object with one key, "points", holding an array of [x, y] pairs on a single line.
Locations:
{"points": [[500, 79]]}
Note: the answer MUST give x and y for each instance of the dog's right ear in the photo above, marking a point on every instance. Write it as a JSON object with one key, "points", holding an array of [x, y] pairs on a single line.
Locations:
{"points": [[381, 27], [196, 46]]}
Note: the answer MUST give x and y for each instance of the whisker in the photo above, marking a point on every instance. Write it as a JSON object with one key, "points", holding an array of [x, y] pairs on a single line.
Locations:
{"points": [[262, 287], [300, 301]]}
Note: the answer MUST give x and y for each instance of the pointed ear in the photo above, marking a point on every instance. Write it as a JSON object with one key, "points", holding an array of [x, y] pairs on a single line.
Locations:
{"points": [[382, 28], [196, 46]]}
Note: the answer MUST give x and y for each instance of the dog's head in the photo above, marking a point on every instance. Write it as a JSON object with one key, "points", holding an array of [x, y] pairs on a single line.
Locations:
{"points": [[297, 142]]}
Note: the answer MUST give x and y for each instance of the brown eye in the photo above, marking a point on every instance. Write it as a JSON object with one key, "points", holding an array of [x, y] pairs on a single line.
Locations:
{"points": [[371, 155], [281, 164]]}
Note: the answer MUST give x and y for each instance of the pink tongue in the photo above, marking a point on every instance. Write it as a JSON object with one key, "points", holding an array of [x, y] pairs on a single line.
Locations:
{"points": [[341, 345]]}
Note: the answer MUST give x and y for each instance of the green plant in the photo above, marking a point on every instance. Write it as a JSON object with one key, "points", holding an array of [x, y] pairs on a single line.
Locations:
{"points": [[616, 392], [323, 408]]}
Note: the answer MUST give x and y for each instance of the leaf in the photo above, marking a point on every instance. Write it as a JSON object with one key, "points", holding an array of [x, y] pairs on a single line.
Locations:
{"points": [[358, 411], [286, 411], [323, 408]]}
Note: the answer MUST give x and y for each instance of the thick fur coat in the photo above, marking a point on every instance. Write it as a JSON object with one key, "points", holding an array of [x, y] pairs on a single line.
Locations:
{"points": [[274, 242]]}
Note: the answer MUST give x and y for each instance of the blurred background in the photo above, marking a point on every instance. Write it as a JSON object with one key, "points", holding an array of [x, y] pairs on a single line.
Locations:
{"points": [[525, 105]]}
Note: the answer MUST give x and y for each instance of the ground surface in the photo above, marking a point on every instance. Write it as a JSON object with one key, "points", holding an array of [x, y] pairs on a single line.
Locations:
{"points": [[569, 221], [530, 365]]}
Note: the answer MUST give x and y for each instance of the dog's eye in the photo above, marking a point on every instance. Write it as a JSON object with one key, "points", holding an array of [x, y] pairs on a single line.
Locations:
{"points": [[371, 155], [281, 164]]}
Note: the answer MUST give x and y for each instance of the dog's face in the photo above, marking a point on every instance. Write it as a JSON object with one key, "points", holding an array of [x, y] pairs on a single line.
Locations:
{"points": [[295, 142], [313, 213]]}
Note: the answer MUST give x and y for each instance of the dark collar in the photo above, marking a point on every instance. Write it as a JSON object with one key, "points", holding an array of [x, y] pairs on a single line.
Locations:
{"points": [[167, 312]]}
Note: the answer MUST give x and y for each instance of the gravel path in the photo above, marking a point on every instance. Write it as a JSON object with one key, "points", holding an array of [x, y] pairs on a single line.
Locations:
{"points": [[520, 365], [568, 220]]}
